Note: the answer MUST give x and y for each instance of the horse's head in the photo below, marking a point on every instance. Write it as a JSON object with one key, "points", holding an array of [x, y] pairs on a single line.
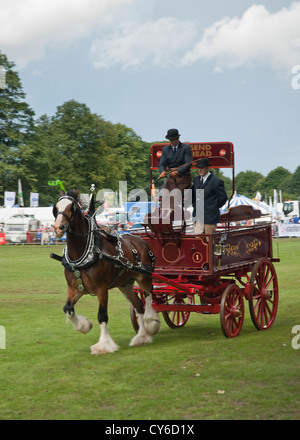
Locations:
{"points": [[64, 211]]}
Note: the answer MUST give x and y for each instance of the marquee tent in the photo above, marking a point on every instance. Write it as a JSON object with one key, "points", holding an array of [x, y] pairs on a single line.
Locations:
{"points": [[238, 199]]}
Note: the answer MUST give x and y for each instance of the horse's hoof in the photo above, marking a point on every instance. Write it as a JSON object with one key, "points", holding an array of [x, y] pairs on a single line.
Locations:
{"points": [[101, 348], [141, 340], [84, 324], [152, 326]]}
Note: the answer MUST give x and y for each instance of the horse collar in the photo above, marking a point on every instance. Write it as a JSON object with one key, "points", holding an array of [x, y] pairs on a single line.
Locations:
{"points": [[88, 257]]}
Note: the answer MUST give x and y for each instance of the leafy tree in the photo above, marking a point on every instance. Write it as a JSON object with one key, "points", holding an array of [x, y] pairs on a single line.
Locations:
{"points": [[248, 183], [227, 181], [276, 179], [16, 126], [80, 148], [74, 147], [135, 157], [296, 182], [84, 142]]}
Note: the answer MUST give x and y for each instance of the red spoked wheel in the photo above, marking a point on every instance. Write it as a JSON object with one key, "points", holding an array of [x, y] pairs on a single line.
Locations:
{"points": [[263, 301], [177, 319], [232, 311], [133, 315]]}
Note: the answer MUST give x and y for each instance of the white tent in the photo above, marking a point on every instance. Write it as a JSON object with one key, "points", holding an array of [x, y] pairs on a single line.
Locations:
{"points": [[238, 199]]}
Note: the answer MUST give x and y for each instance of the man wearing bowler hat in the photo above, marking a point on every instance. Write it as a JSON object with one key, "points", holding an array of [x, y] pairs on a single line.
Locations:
{"points": [[214, 198], [175, 155]]}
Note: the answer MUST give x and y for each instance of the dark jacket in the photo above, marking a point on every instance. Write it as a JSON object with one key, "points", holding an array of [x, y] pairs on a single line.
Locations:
{"points": [[183, 156], [214, 198]]}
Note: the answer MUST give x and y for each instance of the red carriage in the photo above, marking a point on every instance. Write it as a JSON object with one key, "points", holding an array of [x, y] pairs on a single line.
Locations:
{"points": [[206, 273], [212, 273]]}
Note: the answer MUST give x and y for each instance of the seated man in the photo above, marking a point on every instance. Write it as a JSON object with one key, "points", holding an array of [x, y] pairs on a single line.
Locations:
{"points": [[214, 198]]}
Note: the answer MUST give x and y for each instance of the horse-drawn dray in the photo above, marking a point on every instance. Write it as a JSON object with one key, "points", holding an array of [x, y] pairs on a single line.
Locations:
{"points": [[177, 271], [212, 273]]}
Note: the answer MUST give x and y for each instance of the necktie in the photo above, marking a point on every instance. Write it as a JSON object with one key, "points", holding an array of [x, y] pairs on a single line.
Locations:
{"points": [[174, 150], [201, 182]]}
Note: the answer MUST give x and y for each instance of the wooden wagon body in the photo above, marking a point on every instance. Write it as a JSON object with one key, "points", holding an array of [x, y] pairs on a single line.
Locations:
{"points": [[212, 273]]}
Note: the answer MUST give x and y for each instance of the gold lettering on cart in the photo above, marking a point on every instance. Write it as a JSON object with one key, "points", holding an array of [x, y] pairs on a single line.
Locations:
{"points": [[248, 248], [253, 246], [232, 249], [202, 150]]}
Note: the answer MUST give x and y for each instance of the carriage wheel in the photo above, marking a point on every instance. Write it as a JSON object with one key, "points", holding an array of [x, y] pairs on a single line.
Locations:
{"points": [[179, 318], [232, 311], [133, 315], [263, 301]]}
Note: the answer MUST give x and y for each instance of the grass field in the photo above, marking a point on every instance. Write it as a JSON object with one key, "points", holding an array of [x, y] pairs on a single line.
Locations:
{"points": [[194, 373]]}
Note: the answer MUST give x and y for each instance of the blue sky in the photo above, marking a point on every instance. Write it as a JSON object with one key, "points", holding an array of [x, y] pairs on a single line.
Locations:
{"points": [[217, 70]]}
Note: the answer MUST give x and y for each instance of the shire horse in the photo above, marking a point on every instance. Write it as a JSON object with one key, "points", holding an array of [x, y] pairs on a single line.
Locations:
{"points": [[88, 272]]}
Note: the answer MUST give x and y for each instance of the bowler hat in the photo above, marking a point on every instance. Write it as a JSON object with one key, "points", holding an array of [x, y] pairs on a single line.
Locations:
{"points": [[172, 134], [202, 163]]}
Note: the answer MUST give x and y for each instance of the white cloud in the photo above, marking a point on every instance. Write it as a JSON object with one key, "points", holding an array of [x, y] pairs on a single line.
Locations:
{"points": [[257, 37], [162, 42], [29, 27]]}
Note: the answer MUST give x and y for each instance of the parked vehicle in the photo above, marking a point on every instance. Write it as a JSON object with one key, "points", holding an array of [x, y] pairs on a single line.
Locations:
{"points": [[21, 229]]}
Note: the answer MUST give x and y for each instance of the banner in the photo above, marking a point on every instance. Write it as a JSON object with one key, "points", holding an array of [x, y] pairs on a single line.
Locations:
{"points": [[20, 193], [9, 198], [34, 199], [289, 230]]}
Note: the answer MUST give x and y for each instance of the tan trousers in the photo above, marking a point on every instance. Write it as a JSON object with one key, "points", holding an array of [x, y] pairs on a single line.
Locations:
{"points": [[199, 228]]}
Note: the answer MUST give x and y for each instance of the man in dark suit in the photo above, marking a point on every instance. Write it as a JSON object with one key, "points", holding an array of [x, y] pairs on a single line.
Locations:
{"points": [[214, 198], [175, 155]]}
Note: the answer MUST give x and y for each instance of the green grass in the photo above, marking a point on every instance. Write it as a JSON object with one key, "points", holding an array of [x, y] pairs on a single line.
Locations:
{"points": [[47, 372]]}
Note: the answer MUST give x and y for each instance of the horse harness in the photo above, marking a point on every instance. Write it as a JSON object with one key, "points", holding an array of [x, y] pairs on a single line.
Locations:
{"points": [[93, 252]]}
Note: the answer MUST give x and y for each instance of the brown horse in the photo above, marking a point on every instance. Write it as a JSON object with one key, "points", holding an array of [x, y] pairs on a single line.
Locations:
{"points": [[96, 261]]}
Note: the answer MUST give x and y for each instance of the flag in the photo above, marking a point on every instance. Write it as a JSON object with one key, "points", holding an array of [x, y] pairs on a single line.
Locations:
{"points": [[20, 193], [275, 201], [9, 198], [34, 199]]}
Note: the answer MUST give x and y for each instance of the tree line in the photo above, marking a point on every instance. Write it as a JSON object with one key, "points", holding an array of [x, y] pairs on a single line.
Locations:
{"points": [[79, 148]]}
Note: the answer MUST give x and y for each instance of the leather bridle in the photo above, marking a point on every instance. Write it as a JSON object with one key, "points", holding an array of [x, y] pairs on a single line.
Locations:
{"points": [[67, 217]]}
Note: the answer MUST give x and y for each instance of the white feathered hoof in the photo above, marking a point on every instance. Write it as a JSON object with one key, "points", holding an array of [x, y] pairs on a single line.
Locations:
{"points": [[80, 323], [104, 347], [84, 325], [152, 326], [141, 339]]}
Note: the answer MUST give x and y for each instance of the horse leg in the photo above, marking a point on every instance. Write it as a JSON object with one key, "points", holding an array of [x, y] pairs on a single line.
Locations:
{"points": [[106, 343], [143, 337], [80, 323], [151, 318]]}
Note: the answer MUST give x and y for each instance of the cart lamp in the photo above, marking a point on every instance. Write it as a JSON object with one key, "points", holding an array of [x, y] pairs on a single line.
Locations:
{"points": [[222, 152], [158, 154], [219, 249]]}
